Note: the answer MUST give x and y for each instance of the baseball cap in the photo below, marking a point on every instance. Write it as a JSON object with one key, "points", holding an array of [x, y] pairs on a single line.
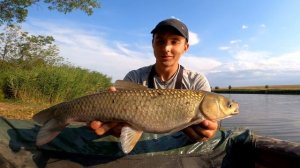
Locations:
{"points": [[174, 23]]}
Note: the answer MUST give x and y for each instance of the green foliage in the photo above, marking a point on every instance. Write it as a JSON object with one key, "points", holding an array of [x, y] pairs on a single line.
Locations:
{"points": [[14, 9], [5, 67], [17, 10], [68, 6], [50, 84], [27, 50], [14, 83]]}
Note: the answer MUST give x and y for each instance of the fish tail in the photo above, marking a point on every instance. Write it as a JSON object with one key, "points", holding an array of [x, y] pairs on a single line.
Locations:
{"points": [[49, 131]]}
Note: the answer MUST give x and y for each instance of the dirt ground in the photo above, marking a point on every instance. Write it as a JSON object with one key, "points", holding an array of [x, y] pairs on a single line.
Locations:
{"points": [[14, 110]]}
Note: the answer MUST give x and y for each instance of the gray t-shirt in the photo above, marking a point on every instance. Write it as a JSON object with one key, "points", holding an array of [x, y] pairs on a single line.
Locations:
{"points": [[190, 79]]}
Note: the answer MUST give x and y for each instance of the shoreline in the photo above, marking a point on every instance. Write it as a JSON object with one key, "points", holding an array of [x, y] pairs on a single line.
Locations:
{"points": [[238, 91], [267, 89]]}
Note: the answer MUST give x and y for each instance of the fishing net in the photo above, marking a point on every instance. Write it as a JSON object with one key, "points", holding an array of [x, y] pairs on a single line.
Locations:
{"points": [[78, 146]]}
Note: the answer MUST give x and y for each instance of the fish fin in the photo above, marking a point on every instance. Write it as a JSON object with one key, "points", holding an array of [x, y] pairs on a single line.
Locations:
{"points": [[125, 85], [44, 116], [129, 138], [49, 131], [186, 125]]}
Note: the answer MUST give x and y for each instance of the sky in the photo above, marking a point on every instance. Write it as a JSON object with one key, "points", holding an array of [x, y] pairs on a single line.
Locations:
{"points": [[237, 42]]}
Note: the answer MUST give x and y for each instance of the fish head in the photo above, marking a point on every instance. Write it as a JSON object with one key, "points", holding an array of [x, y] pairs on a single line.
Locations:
{"points": [[217, 107]]}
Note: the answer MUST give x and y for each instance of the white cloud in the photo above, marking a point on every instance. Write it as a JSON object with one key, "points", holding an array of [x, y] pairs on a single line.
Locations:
{"points": [[262, 61], [244, 27], [224, 48], [258, 68], [234, 46], [252, 78], [193, 38], [199, 64], [235, 41], [262, 26]]}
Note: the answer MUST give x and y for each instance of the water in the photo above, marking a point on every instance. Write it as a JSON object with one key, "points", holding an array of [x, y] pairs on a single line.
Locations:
{"points": [[276, 116]]}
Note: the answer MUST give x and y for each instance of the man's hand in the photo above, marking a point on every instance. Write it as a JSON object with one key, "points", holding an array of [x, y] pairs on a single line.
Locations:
{"points": [[113, 127], [203, 131], [101, 128]]}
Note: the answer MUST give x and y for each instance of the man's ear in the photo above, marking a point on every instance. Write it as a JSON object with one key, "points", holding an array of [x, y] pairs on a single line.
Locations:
{"points": [[187, 46]]}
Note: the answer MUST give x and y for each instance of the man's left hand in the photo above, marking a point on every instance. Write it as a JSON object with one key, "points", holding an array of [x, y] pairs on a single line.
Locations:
{"points": [[202, 131]]}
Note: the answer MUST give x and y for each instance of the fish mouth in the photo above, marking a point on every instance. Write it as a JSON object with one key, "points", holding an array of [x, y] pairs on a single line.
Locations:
{"points": [[236, 111]]}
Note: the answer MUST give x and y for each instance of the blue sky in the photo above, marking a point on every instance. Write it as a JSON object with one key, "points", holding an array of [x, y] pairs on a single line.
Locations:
{"points": [[237, 42]]}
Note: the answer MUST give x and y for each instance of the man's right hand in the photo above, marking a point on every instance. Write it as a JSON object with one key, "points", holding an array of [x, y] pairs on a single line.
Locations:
{"points": [[101, 128]]}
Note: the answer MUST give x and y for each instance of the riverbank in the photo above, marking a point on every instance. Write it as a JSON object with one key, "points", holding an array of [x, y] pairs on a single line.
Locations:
{"points": [[267, 89]]}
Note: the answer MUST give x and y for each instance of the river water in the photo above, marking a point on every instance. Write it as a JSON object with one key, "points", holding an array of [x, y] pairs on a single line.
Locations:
{"points": [[276, 116]]}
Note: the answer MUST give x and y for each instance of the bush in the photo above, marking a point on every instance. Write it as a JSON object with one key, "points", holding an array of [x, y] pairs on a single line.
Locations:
{"points": [[51, 83]]}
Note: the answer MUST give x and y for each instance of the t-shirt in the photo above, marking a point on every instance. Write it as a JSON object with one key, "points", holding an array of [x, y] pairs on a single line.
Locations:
{"points": [[190, 79]]}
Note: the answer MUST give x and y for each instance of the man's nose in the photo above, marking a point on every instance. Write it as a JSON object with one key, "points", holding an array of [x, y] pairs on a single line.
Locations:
{"points": [[167, 47]]}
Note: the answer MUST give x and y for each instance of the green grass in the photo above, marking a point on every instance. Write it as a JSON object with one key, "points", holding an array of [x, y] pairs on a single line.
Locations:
{"points": [[50, 84], [25, 91]]}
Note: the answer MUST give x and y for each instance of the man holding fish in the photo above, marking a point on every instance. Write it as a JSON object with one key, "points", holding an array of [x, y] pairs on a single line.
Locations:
{"points": [[170, 42], [161, 98]]}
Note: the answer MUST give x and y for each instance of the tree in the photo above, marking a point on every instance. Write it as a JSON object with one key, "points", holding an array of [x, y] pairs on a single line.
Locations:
{"points": [[17, 10], [27, 50], [10, 40]]}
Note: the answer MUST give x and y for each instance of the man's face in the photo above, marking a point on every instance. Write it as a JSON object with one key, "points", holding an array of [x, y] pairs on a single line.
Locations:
{"points": [[168, 47]]}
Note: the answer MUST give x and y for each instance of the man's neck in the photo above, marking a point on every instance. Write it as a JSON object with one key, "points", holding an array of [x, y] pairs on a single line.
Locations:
{"points": [[166, 73]]}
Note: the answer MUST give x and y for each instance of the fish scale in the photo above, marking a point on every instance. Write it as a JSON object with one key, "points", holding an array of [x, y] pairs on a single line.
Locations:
{"points": [[153, 107]]}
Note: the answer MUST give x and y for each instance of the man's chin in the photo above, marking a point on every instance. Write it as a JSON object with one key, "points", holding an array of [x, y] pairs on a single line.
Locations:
{"points": [[166, 63]]}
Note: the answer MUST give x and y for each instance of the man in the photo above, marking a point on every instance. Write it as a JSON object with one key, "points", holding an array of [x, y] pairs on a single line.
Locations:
{"points": [[170, 42]]}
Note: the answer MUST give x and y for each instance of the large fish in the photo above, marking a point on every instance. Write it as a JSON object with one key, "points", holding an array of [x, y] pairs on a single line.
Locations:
{"points": [[143, 109]]}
